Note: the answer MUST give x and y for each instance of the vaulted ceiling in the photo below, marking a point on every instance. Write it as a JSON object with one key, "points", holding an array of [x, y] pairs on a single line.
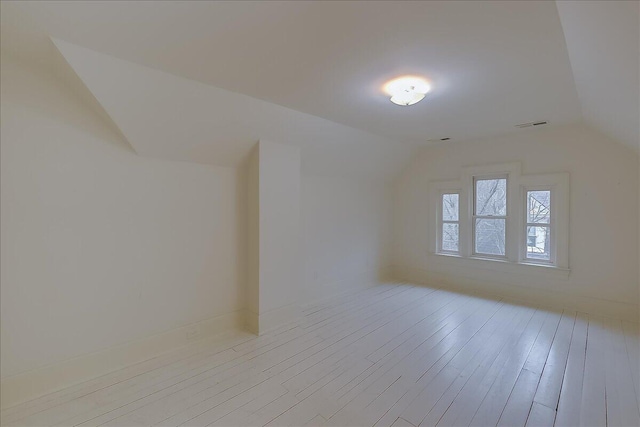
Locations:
{"points": [[603, 40], [202, 81]]}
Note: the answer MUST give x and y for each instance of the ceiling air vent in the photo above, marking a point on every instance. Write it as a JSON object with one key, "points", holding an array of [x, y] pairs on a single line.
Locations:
{"points": [[530, 124]]}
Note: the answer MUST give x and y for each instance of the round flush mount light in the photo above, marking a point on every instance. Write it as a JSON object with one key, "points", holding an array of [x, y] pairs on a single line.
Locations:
{"points": [[407, 90]]}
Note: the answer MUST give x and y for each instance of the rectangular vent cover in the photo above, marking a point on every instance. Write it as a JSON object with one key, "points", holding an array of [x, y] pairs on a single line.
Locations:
{"points": [[530, 124]]}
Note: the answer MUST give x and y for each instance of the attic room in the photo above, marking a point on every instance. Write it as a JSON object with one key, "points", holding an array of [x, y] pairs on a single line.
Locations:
{"points": [[317, 213]]}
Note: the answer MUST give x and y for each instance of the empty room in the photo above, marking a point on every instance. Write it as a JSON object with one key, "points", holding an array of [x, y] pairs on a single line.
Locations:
{"points": [[320, 213]]}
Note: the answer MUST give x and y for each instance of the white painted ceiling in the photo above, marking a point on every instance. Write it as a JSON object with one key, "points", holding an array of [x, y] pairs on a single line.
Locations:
{"points": [[176, 118], [492, 65], [604, 47]]}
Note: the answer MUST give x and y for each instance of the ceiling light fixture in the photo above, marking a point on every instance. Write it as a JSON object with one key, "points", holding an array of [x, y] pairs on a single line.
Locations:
{"points": [[407, 90]]}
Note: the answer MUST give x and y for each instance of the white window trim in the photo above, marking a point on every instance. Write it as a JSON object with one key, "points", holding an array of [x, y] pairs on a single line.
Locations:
{"points": [[515, 233], [436, 190], [512, 172], [442, 221], [558, 184], [475, 216], [551, 225]]}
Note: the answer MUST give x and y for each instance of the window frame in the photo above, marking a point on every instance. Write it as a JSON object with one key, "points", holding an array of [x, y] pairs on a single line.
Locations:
{"points": [[515, 259], [442, 221], [435, 190], [558, 184], [550, 225], [475, 217]]}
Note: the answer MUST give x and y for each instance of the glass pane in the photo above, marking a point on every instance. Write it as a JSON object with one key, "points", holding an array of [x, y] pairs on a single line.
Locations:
{"points": [[538, 240], [450, 207], [490, 236], [539, 206], [450, 237], [491, 197]]}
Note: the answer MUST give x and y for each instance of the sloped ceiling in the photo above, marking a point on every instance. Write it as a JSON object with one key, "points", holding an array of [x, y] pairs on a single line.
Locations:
{"points": [[176, 118], [493, 64], [603, 41], [203, 81]]}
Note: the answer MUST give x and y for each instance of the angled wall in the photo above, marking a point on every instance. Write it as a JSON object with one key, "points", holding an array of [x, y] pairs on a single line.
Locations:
{"points": [[108, 258]]}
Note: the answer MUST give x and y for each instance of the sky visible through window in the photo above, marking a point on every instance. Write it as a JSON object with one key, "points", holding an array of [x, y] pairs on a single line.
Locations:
{"points": [[538, 224], [490, 201], [450, 230]]}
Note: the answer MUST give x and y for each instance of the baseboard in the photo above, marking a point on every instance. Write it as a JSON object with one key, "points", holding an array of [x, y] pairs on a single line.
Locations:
{"points": [[252, 322], [385, 274], [30, 385], [278, 317], [323, 291], [552, 299], [264, 322], [360, 283]]}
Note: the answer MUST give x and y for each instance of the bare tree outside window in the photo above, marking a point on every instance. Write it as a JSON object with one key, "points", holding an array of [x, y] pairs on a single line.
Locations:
{"points": [[475, 216], [539, 225], [490, 215], [450, 223]]}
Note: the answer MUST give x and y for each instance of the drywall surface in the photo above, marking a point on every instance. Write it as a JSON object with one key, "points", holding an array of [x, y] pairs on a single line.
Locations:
{"points": [[102, 247], [346, 234], [603, 244], [279, 225], [155, 110], [273, 215], [253, 238]]}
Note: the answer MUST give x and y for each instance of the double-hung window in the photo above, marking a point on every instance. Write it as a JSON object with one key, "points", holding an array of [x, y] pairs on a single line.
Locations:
{"points": [[450, 223], [494, 213], [538, 229], [490, 216]]}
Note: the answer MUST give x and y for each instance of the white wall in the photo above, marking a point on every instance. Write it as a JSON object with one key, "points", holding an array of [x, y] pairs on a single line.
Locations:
{"points": [[101, 246], [108, 256], [253, 240], [603, 252], [278, 234], [279, 225], [346, 234]]}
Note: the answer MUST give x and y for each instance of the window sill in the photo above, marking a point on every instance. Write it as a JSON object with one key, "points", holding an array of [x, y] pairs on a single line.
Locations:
{"points": [[500, 265]]}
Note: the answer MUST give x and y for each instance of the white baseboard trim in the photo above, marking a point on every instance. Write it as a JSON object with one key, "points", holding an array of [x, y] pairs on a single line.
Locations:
{"points": [[364, 281], [32, 384], [491, 288], [325, 291], [252, 322], [278, 317], [48, 379], [260, 324]]}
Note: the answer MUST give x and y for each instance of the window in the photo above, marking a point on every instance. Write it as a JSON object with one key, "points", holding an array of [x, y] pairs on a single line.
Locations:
{"points": [[538, 225], [494, 213], [450, 224], [490, 216]]}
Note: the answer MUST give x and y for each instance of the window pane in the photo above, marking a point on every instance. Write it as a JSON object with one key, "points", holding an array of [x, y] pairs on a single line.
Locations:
{"points": [[450, 237], [449, 207], [539, 206], [490, 236], [538, 240], [491, 197]]}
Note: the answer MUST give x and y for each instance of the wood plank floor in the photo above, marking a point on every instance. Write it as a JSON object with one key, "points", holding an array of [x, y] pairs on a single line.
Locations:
{"points": [[393, 355]]}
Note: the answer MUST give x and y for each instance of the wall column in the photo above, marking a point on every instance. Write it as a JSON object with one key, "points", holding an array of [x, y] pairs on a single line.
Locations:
{"points": [[274, 278]]}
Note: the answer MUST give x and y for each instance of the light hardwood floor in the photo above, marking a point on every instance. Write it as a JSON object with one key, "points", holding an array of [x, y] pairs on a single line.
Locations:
{"points": [[393, 355]]}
